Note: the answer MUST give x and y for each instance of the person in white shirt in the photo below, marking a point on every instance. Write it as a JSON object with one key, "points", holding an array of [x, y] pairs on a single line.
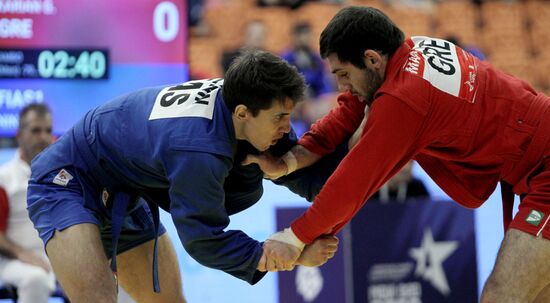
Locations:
{"points": [[23, 261]]}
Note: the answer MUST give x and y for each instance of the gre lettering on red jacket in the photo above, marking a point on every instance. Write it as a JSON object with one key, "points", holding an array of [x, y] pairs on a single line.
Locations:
{"points": [[445, 66]]}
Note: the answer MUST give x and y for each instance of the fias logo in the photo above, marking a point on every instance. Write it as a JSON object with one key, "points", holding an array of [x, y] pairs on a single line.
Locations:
{"points": [[309, 282]]}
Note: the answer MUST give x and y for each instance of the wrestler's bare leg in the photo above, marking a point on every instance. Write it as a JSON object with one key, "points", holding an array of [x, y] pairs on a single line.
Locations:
{"points": [[522, 269], [80, 264], [135, 272]]}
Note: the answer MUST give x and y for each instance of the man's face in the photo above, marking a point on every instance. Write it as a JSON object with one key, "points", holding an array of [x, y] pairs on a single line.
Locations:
{"points": [[362, 83], [269, 125], [302, 39], [35, 134], [255, 35]]}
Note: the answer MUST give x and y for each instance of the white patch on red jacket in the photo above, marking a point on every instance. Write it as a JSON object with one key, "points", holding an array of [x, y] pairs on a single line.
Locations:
{"points": [[444, 65]]}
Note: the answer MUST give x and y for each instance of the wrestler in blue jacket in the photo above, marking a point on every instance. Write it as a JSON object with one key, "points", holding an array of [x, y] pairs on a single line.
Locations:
{"points": [[190, 168]]}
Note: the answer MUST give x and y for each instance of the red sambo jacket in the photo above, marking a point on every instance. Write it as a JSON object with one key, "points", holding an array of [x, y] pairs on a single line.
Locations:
{"points": [[468, 125]]}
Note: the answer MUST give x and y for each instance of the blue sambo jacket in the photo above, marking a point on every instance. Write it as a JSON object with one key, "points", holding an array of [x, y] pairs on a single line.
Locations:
{"points": [[176, 146]]}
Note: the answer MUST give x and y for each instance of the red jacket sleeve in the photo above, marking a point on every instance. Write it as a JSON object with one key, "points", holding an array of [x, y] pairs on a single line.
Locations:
{"points": [[388, 142], [338, 125], [4, 210]]}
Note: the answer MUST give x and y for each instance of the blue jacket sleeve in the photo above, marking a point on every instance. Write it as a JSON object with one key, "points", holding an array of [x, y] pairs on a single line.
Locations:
{"points": [[243, 186], [199, 214]]}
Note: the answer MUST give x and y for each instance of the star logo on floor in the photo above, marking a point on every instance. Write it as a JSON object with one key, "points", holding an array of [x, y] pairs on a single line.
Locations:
{"points": [[429, 260]]}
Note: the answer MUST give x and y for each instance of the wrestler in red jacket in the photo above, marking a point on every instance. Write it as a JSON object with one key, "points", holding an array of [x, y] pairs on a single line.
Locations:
{"points": [[468, 125]]}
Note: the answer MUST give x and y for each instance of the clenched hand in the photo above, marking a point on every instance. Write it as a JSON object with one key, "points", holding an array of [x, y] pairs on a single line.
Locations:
{"points": [[319, 252]]}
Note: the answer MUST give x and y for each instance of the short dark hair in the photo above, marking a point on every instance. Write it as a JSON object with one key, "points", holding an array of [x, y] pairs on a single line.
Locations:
{"points": [[41, 110], [257, 78], [355, 29]]}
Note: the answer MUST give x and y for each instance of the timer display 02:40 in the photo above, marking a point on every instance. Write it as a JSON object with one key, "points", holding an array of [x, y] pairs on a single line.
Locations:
{"points": [[72, 64]]}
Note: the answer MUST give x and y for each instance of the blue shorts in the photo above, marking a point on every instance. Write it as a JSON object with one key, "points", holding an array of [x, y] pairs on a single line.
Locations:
{"points": [[54, 207]]}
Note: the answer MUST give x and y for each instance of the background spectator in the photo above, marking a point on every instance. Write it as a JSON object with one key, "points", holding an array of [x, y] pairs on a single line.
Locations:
{"points": [[476, 51], [24, 263], [403, 186], [307, 60], [254, 38]]}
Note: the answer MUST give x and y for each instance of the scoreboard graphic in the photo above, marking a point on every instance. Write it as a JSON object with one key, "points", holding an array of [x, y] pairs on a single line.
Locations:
{"points": [[75, 55]]}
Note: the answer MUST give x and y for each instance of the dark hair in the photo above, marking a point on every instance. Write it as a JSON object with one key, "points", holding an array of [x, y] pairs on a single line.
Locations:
{"points": [[41, 110], [355, 29], [257, 78]]}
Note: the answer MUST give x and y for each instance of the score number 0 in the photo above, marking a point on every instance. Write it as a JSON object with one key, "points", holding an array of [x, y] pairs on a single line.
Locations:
{"points": [[166, 21]]}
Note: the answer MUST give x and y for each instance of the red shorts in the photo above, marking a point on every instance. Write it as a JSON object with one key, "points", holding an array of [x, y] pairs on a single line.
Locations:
{"points": [[533, 216]]}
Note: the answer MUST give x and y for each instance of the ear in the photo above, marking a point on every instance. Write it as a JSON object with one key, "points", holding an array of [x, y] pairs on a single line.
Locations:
{"points": [[372, 59], [241, 112]]}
